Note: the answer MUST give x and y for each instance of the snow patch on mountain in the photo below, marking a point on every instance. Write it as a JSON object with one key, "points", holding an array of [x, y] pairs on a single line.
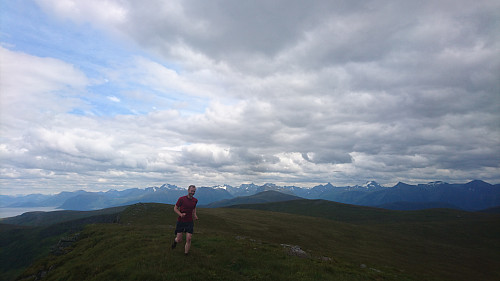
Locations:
{"points": [[371, 184], [225, 187]]}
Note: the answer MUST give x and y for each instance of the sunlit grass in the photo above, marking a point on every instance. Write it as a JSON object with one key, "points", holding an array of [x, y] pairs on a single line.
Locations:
{"points": [[239, 244]]}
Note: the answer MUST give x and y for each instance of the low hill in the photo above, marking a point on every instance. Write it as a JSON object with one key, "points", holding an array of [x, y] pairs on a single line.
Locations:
{"points": [[495, 210], [262, 197], [21, 245], [314, 240], [359, 215], [48, 218], [413, 206]]}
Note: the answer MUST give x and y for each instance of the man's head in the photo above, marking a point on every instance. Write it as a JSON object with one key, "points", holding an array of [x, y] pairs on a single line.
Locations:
{"points": [[191, 190]]}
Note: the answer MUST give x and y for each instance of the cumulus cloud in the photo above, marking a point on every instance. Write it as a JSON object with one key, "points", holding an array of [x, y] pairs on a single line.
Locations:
{"points": [[34, 83], [230, 92]]}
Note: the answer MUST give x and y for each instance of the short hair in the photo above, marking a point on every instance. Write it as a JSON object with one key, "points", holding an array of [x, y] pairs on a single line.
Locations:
{"points": [[191, 186]]}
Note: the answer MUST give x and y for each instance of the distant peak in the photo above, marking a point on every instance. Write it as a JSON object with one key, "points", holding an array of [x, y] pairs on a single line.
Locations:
{"points": [[434, 183], [169, 186], [402, 184], [220, 187], [371, 184], [477, 181]]}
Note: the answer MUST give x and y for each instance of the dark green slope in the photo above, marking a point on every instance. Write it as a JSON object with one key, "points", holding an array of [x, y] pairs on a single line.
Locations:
{"points": [[268, 196], [48, 218], [450, 243], [245, 244], [228, 245], [357, 214], [21, 245]]}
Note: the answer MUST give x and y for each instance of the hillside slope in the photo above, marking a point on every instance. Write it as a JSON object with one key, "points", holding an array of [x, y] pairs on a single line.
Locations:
{"points": [[21, 245], [243, 244], [48, 218], [268, 196]]}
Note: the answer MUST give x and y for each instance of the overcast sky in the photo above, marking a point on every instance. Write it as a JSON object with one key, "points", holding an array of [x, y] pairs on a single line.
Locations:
{"points": [[114, 94]]}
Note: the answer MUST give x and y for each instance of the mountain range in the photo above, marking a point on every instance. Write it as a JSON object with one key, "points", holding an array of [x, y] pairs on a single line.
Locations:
{"points": [[472, 196]]}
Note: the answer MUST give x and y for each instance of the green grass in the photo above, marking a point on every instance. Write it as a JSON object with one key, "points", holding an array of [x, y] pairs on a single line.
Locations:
{"points": [[450, 244], [246, 244], [358, 214], [21, 246], [132, 254]]}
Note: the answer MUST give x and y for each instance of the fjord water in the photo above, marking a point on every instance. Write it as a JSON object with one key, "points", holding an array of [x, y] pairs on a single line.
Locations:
{"points": [[12, 212]]}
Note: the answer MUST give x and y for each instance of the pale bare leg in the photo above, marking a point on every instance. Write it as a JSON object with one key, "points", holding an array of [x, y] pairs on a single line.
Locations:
{"points": [[178, 239], [188, 243]]}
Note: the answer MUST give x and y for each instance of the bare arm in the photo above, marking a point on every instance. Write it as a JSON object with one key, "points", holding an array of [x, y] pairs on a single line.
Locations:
{"points": [[194, 214], [177, 211]]}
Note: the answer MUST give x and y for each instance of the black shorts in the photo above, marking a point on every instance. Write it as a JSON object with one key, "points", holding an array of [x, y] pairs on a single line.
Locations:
{"points": [[184, 227]]}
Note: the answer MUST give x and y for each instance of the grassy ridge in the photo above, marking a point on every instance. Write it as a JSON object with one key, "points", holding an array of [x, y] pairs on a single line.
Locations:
{"points": [[354, 214], [245, 244], [49, 218], [21, 245], [32, 235], [451, 244]]}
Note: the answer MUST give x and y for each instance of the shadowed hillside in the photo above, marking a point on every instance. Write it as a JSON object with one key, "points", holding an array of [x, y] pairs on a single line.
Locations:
{"points": [[261, 197], [22, 245], [48, 218], [350, 243]]}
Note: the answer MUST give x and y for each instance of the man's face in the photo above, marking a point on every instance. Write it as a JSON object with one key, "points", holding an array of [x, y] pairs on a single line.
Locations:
{"points": [[192, 191]]}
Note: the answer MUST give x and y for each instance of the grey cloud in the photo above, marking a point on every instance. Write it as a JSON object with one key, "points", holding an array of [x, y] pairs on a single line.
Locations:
{"points": [[383, 89], [254, 158], [327, 157]]}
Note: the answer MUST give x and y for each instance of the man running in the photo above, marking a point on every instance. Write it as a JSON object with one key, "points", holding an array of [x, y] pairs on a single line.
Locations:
{"points": [[186, 209]]}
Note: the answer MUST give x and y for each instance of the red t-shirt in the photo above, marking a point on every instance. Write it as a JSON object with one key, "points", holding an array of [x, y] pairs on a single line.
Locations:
{"points": [[186, 205]]}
